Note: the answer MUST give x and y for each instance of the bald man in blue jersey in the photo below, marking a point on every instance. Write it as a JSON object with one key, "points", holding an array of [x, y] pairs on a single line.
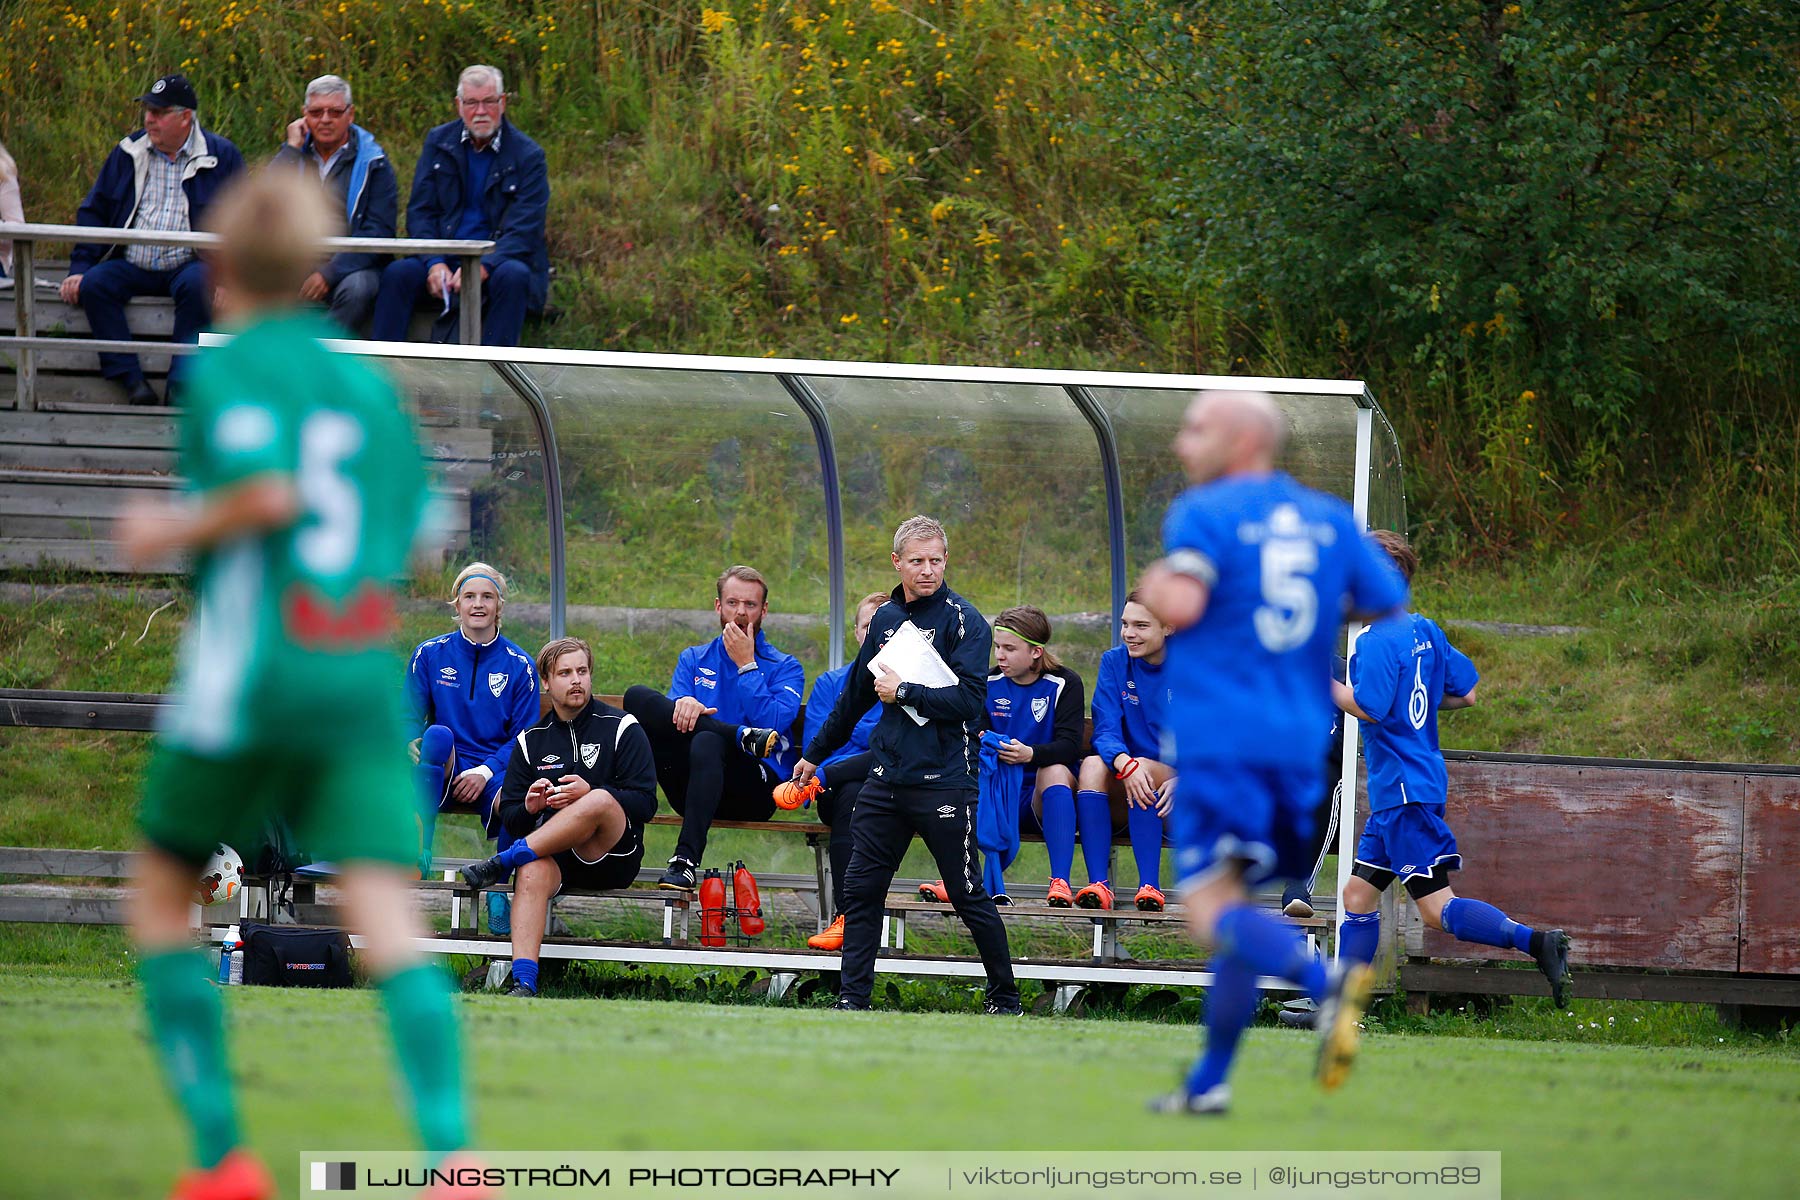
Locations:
{"points": [[1257, 576]]}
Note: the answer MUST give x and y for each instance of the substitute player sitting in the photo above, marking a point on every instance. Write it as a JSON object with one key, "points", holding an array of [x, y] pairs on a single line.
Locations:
{"points": [[1028, 756], [580, 786], [839, 778], [473, 691], [1402, 673], [1257, 573], [307, 489], [1125, 770]]}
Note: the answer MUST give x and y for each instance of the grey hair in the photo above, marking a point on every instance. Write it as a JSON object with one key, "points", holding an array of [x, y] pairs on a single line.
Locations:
{"points": [[919, 529], [329, 85], [478, 74]]}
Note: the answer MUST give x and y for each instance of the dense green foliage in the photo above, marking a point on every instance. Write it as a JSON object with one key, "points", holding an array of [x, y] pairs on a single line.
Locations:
{"points": [[1567, 231]]}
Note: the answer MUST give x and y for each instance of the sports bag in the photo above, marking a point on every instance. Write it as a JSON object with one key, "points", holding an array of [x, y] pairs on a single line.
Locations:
{"points": [[296, 956]]}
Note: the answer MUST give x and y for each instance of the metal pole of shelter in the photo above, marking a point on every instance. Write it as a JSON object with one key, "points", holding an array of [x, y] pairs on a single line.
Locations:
{"points": [[1346, 847], [526, 388], [1115, 494], [814, 408]]}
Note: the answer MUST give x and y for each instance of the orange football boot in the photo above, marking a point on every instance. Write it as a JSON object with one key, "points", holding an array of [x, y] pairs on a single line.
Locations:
{"points": [[934, 891], [1094, 895], [240, 1175], [1058, 895], [791, 795], [829, 938]]}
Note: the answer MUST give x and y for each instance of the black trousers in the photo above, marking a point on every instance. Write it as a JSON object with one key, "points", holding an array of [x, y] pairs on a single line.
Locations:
{"points": [[705, 774], [837, 803], [886, 819]]}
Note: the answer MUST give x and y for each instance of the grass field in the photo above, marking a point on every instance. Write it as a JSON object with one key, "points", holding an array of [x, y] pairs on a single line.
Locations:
{"points": [[1570, 1119]]}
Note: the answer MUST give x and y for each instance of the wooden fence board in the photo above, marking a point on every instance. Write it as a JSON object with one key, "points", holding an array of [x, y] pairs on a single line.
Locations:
{"points": [[1642, 866], [1771, 903]]}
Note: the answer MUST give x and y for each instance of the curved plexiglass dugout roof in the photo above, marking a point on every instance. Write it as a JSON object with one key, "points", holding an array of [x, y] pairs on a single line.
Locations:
{"points": [[613, 488]]}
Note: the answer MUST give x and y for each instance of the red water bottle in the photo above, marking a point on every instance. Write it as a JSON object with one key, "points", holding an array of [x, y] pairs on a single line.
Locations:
{"points": [[712, 909], [748, 900]]}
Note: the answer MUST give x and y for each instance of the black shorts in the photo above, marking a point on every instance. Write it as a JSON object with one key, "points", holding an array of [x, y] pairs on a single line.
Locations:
{"points": [[1417, 886], [618, 868]]}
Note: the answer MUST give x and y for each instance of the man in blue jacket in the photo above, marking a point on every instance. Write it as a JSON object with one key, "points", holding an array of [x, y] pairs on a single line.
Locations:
{"points": [[720, 734], [161, 178], [478, 178], [326, 143]]}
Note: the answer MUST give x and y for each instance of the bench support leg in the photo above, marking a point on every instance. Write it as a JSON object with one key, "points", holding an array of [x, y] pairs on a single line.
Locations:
{"points": [[899, 932], [669, 922], [498, 970], [455, 904], [780, 982], [821, 872], [1067, 994], [883, 944]]}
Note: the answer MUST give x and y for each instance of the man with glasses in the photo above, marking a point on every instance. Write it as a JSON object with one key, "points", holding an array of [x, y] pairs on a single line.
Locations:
{"points": [[478, 178], [159, 178], [325, 143]]}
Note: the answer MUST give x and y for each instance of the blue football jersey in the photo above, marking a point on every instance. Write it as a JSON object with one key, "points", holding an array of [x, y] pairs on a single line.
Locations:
{"points": [[1250, 682], [1024, 713], [1401, 669]]}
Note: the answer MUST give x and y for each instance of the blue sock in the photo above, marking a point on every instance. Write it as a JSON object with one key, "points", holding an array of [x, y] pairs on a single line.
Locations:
{"points": [[1058, 820], [525, 972], [1093, 816], [517, 854], [993, 875], [1230, 1004], [436, 745], [1269, 946], [1146, 843], [1474, 921], [1358, 936]]}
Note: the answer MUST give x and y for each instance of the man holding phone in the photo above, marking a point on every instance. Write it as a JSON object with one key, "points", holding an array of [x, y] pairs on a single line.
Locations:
{"points": [[579, 789]]}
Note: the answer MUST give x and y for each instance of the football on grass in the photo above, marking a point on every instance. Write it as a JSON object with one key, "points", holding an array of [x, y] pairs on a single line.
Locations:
{"points": [[222, 878]]}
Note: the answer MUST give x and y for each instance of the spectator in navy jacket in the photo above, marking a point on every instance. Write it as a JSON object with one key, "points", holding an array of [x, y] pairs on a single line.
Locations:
{"points": [[325, 141], [159, 178], [720, 734], [478, 178]]}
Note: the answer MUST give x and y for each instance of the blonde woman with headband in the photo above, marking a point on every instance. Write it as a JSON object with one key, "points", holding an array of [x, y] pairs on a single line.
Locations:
{"points": [[473, 692]]}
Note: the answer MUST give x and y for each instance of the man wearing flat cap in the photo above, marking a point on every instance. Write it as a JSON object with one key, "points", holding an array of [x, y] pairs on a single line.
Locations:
{"points": [[160, 178]]}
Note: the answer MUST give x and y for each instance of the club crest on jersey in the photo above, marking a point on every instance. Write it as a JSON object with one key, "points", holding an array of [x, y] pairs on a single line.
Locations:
{"points": [[590, 754], [1040, 705], [496, 683]]}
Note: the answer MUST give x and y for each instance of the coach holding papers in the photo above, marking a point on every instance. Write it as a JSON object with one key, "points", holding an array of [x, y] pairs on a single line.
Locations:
{"points": [[925, 748]]}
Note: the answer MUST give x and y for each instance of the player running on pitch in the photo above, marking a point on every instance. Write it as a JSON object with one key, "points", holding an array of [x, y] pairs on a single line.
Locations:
{"points": [[1258, 573], [307, 488], [1402, 672]]}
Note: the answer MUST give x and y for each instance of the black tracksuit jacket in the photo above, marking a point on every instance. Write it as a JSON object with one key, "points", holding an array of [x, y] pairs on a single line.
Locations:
{"points": [[942, 754]]}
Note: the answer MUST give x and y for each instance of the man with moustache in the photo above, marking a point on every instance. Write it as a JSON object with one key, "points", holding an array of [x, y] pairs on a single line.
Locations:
{"points": [[480, 179], [580, 787], [720, 732]]}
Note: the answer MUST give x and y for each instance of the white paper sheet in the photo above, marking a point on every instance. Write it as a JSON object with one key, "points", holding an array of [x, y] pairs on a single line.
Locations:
{"points": [[910, 655]]}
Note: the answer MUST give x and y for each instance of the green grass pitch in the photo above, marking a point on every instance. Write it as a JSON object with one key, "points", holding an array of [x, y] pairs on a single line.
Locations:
{"points": [[86, 1113]]}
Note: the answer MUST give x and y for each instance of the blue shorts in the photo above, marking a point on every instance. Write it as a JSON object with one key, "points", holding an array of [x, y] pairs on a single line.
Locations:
{"points": [[1247, 813], [1408, 842]]}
